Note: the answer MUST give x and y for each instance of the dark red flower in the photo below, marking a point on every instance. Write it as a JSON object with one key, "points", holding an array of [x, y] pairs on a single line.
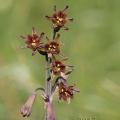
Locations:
{"points": [[52, 46], [33, 41], [59, 18], [57, 67], [65, 92]]}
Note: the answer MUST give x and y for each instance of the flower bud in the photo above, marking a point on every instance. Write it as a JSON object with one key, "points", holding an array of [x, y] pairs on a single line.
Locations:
{"points": [[26, 109]]}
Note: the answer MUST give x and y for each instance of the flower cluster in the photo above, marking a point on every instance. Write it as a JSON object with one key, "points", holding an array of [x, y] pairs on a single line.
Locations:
{"points": [[56, 65]]}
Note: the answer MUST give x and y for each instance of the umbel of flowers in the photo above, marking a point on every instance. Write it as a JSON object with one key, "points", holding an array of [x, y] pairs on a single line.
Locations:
{"points": [[57, 71]]}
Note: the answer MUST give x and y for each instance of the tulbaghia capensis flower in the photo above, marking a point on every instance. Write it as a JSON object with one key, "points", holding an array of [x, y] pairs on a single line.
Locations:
{"points": [[33, 41], [26, 109], [59, 18], [53, 46], [66, 92], [57, 67]]}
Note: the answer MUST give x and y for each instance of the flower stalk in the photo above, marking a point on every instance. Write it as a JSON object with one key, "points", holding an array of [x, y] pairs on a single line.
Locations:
{"points": [[48, 85], [49, 113]]}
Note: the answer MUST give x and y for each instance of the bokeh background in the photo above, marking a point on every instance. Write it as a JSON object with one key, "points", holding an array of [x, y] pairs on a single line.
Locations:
{"points": [[92, 45]]}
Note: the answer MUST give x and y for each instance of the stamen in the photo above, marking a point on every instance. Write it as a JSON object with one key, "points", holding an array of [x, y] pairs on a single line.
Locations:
{"points": [[66, 93], [58, 69], [34, 41], [62, 90], [60, 19], [33, 44]]}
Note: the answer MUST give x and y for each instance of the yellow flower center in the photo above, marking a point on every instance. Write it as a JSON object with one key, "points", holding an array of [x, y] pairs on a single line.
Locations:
{"points": [[62, 90], [58, 69], [66, 93], [58, 65], [33, 43], [52, 48], [59, 20]]}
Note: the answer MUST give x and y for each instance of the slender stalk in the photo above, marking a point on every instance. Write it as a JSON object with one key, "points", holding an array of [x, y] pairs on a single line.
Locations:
{"points": [[48, 78], [47, 84]]}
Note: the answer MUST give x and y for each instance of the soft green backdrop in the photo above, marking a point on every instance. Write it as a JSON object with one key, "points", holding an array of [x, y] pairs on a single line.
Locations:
{"points": [[92, 44]]}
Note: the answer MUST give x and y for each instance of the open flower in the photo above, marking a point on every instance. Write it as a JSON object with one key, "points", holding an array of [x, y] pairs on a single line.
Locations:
{"points": [[57, 67], [59, 18], [33, 41], [52, 47], [66, 92], [26, 109]]}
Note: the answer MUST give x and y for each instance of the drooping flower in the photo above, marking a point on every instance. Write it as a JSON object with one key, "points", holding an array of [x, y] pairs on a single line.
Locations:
{"points": [[26, 109], [59, 18], [52, 47], [66, 92], [33, 41]]}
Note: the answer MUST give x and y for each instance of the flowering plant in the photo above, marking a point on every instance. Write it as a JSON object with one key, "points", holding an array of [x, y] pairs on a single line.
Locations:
{"points": [[57, 71]]}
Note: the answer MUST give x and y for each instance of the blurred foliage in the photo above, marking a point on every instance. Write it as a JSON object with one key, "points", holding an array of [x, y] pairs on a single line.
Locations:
{"points": [[92, 44]]}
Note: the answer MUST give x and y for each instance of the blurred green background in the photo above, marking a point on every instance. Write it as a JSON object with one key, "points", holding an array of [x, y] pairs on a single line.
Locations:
{"points": [[92, 44]]}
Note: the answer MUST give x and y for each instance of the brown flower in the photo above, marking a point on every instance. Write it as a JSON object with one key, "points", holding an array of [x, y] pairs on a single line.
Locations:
{"points": [[33, 41], [26, 109], [65, 92], [59, 18], [58, 67], [52, 46]]}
